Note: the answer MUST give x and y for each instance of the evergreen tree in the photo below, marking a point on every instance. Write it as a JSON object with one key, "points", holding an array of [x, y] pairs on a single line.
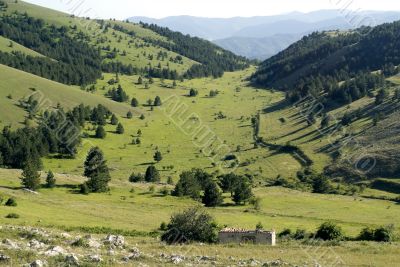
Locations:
{"points": [[100, 132], [193, 92], [50, 180], [157, 156], [157, 101], [30, 176], [114, 120], [212, 195], [152, 175], [134, 102], [129, 115], [140, 80], [96, 171], [242, 192], [120, 129]]}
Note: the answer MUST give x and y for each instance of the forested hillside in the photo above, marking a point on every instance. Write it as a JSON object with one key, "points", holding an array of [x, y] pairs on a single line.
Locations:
{"points": [[321, 61], [77, 54], [214, 60]]}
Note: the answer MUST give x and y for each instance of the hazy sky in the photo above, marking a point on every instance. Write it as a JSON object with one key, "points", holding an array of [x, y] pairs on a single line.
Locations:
{"points": [[122, 9]]}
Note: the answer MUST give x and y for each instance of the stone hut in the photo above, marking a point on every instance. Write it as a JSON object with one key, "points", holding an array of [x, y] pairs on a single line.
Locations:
{"points": [[231, 235]]}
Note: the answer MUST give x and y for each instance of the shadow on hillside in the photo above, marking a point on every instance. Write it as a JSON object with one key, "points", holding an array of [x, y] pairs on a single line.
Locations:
{"points": [[278, 106], [11, 187]]}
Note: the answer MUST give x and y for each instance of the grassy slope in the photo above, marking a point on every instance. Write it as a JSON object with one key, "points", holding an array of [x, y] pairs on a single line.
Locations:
{"points": [[178, 148], [19, 85], [142, 211], [5, 47]]}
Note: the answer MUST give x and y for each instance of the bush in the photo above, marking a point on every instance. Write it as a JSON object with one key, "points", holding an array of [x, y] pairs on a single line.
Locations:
{"points": [[163, 226], [381, 234], [136, 178], [164, 191], [329, 231], [384, 234], [300, 234], [11, 202], [84, 189], [80, 242], [367, 234], [12, 216], [285, 233], [193, 224]]}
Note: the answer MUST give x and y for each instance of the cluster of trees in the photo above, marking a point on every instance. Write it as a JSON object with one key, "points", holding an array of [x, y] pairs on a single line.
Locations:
{"points": [[77, 63], [213, 59], [118, 95], [151, 176], [199, 185], [58, 132], [318, 63]]}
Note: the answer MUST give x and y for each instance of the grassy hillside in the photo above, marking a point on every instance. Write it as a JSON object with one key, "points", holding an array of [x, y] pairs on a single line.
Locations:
{"points": [[5, 46], [16, 85], [236, 102], [143, 211]]}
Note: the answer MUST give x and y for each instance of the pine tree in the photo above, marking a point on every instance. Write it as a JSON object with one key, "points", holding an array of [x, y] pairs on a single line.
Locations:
{"points": [[140, 80], [152, 175], [96, 171], [157, 156], [157, 101], [212, 195], [114, 120], [100, 132], [129, 115], [30, 176], [242, 192], [134, 102], [120, 129], [50, 180]]}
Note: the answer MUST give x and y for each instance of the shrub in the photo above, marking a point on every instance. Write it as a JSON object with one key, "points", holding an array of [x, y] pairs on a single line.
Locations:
{"points": [[12, 216], [163, 226], [384, 234], [11, 202], [193, 224], [300, 234], [84, 189], [136, 178], [164, 191], [285, 233], [80, 242], [329, 231], [367, 234]]}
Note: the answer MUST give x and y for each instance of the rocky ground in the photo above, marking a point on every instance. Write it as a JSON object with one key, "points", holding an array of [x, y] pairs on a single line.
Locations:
{"points": [[34, 247]]}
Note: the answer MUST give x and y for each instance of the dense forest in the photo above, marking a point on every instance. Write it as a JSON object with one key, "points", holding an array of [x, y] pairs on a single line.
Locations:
{"points": [[341, 67], [70, 59], [214, 60]]}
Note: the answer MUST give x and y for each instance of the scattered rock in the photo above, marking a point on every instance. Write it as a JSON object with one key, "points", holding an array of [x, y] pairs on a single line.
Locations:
{"points": [[72, 260], [95, 258], [4, 258], [65, 235], [115, 240], [34, 244], [55, 251], [176, 259], [10, 244], [92, 243], [38, 263]]}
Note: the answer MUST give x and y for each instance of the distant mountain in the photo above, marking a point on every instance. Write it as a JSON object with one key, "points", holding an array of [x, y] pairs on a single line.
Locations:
{"points": [[261, 37], [258, 48]]}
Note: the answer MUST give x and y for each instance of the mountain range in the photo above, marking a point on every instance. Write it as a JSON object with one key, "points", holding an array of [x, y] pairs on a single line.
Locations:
{"points": [[263, 37]]}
